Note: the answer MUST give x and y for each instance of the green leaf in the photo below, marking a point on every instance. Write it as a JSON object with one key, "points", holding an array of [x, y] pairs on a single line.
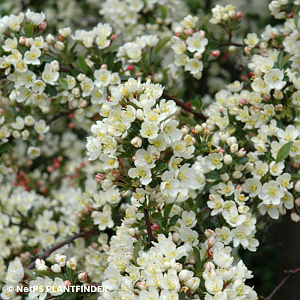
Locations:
{"points": [[47, 273], [29, 29], [284, 152], [279, 59], [4, 147], [46, 58], [137, 249], [197, 256], [286, 59], [161, 44], [111, 60], [163, 11], [63, 83], [296, 16], [173, 220], [82, 65], [182, 295], [30, 274], [196, 102], [168, 209], [70, 274]]}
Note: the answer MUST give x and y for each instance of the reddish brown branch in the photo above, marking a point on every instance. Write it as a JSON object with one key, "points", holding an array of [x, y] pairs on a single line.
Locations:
{"points": [[290, 274], [148, 225], [243, 45], [48, 252], [63, 113], [184, 106]]}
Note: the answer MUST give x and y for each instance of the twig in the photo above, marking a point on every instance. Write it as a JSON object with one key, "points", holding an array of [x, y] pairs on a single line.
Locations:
{"points": [[184, 106], [64, 113], [290, 274], [148, 225], [48, 252], [242, 45]]}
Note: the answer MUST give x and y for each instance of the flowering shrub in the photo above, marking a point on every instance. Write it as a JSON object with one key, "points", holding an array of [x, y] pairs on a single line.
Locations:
{"points": [[109, 179]]}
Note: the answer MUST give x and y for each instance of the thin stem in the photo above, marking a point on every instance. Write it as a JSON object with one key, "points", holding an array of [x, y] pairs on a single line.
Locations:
{"points": [[148, 225], [184, 106], [290, 274], [64, 113], [48, 252], [242, 45]]}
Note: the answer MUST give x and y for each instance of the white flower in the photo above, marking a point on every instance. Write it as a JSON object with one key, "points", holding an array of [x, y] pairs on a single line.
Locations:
{"points": [[33, 152], [60, 259], [214, 161], [196, 42], [31, 56], [251, 40], [271, 193], [274, 78], [142, 173], [39, 288], [15, 272]]}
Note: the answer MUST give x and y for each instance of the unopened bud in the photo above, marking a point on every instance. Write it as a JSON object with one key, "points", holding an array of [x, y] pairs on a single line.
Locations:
{"points": [[99, 177], [234, 148], [22, 40], [67, 283], [209, 232], [295, 217], [60, 46], [56, 268], [141, 285], [215, 53], [211, 241], [192, 261], [227, 159], [175, 237], [136, 142], [189, 31], [297, 202], [43, 26], [241, 153], [177, 267], [82, 276], [282, 210], [209, 266]]}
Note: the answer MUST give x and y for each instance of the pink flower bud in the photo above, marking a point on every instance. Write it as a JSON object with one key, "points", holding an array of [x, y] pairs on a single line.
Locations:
{"points": [[241, 153], [99, 177], [141, 285], [206, 131], [247, 50], [177, 267], [184, 129], [282, 210], [209, 232], [189, 31], [43, 26], [177, 34], [209, 266], [295, 165], [67, 283], [113, 37], [202, 34], [279, 107], [136, 142], [193, 131], [215, 53], [267, 97], [154, 227], [134, 158], [238, 14], [211, 241], [243, 101], [295, 217], [297, 202], [60, 38], [192, 261], [22, 40], [244, 77], [27, 42], [82, 276], [103, 66], [130, 67]]}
